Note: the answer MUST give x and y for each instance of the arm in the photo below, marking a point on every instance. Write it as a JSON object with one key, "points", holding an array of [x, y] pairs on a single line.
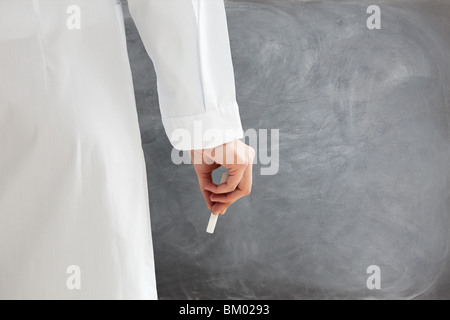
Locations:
{"points": [[189, 45]]}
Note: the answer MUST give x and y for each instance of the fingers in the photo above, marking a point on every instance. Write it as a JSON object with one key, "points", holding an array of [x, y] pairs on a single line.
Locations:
{"points": [[221, 202], [220, 208], [207, 196], [203, 171], [227, 197], [205, 178], [243, 189], [219, 197], [234, 178]]}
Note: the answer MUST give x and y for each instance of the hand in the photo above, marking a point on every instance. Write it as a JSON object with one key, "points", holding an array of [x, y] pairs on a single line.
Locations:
{"points": [[235, 156]]}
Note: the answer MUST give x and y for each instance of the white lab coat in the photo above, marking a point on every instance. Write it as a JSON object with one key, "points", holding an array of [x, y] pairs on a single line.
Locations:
{"points": [[74, 211]]}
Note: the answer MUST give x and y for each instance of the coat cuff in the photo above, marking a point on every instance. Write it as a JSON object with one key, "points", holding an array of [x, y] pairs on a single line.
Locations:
{"points": [[203, 131]]}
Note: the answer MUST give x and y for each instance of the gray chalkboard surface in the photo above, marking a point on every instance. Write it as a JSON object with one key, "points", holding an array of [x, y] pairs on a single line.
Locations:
{"points": [[364, 157]]}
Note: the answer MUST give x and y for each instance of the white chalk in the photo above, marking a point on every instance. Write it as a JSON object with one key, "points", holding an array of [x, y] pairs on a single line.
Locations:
{"points": [[212, 223], [213, 218]]}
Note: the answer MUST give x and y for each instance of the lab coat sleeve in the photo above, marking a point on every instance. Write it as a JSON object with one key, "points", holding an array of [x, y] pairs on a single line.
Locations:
{"points": [[189, 45]]}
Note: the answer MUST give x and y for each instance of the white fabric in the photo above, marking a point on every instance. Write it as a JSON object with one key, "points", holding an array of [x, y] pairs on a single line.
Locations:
{"points": [[73, 188]]}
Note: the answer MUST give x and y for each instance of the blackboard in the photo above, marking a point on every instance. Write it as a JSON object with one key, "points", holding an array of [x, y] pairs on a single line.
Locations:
{"points": [[364, 152]]}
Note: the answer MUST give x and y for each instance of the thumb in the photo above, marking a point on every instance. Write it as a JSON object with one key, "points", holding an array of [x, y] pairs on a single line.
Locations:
{"points": [[204, 179]]}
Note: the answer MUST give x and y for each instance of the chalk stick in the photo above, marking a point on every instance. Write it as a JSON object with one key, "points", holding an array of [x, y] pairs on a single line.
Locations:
{"points": [[213, 218]]}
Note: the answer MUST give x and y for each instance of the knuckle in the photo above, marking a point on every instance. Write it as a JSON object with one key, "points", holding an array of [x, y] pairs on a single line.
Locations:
{"points": [[241, 161], [229, 188], [252, 152]]}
